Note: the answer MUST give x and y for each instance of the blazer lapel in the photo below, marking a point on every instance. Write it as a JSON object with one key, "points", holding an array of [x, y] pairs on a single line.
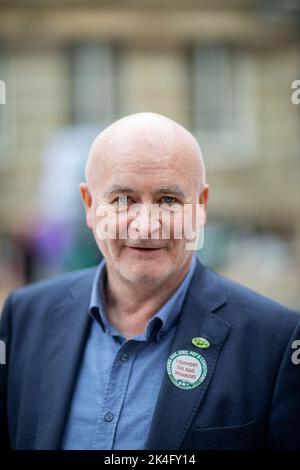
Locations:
{"points": [[68, 327], [175, 407]]}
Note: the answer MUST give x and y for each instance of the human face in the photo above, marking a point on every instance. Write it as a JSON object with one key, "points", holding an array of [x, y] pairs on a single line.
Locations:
{"points": [[143, 165]]}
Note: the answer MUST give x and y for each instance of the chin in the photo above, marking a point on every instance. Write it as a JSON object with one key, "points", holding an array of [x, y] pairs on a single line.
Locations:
{"points": [[143, 274]]}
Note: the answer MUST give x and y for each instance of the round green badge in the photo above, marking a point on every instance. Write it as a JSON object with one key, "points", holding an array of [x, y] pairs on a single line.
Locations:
{"points": [[186, 369], [201, 343]]}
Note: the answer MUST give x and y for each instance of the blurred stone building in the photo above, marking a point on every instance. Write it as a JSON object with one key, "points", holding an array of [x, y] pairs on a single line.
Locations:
{"points": [[223, 69]]}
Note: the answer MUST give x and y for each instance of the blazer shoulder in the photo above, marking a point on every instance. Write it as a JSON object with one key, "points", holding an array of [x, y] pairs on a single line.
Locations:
{"points": [[254, 306], [49, 291]]}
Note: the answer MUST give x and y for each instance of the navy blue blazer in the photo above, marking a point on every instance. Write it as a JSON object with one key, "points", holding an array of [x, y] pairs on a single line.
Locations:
{"points": [[250, 398]]}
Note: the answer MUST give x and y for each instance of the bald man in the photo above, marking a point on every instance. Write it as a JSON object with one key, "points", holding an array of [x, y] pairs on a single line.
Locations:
{"points": [[149, 350]]}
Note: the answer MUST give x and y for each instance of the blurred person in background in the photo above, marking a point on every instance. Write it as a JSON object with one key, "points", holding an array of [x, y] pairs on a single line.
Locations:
{"points": [[57, 240], [151, 349]]}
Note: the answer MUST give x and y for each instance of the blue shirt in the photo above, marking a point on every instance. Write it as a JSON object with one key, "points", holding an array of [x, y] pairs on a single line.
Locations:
{"points": [[119, 380]]}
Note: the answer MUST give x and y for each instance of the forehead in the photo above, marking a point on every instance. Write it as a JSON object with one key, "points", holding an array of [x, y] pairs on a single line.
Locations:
{"points": [[143, 185], [158, 160], [144, 161], [117, 188], [143, 175]]}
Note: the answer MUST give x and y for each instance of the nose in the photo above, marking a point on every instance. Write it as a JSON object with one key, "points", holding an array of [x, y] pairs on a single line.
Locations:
{"points": [[145, 222]]}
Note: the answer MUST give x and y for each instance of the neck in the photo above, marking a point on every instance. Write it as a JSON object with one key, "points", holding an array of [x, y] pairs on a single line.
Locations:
{"points": [[130, 306]]}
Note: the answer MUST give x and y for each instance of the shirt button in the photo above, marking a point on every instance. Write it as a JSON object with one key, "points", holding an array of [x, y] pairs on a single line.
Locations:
{"points": [[109, 417], [124, 357]]}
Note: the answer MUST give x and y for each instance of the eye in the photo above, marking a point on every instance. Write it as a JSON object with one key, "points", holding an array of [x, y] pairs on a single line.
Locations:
{"points": [[122, 200], [168, 200]]}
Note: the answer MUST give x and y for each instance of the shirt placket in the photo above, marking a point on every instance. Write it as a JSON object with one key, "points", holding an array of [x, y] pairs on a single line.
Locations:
{"points": [[115, 394]]}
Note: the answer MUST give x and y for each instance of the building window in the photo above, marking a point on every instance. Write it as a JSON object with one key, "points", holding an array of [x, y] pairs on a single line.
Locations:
{"points": [[93, 86], [224, 104], [5, 112]]}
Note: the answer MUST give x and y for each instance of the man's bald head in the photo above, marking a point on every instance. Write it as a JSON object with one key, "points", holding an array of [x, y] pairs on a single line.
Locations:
{"points": [[146, 136]]}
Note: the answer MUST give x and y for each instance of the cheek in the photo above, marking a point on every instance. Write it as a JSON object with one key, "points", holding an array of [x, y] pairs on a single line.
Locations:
{"points": [[122, 223], [175, 227], [105, 227]]}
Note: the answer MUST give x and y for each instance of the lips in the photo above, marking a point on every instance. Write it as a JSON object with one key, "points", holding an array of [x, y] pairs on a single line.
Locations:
{"points": [[146, 248], [143, 250]]}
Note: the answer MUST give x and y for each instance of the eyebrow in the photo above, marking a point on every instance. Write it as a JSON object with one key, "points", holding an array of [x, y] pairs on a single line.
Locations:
{"points": [[172, 190], [119, 189]]}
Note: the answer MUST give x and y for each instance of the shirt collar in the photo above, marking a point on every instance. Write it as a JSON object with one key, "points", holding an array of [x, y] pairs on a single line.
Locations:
{"points": [[159, 325]]}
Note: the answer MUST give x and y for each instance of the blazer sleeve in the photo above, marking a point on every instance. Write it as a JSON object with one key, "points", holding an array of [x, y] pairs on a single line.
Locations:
{"points": [[283, 430], [4, 364]]}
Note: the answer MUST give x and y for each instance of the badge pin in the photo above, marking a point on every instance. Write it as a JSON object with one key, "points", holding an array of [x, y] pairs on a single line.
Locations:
{"points": [[186, 369], [202, 343]]}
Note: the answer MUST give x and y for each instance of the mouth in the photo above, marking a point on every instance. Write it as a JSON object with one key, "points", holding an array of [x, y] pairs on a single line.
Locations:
{"points": [[145, 251]]}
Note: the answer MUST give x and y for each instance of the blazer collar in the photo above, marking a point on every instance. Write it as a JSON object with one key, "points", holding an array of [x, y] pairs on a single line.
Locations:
{"points": [[176, 408], [67, 332]]}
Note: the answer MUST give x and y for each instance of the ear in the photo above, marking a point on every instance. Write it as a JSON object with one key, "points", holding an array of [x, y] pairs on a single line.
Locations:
{"points": [[87, 202], [203, 199]]}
